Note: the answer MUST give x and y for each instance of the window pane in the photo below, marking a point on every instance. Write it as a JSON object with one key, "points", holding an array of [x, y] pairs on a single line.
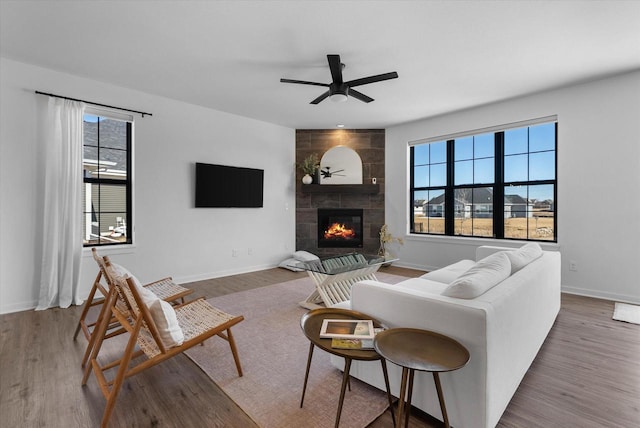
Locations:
{"points": [[542, 137], [421, 176], [112, 164], [90, 130], [529, 212], [483, 146], [516, 212], [483, 170], [463, 148], [541, 225], [90, 161], [515, 168], [438, 152], [104, 214], [463, 172], [438, 175], [463, 199], [421, 154], [482, 211], [434, 211], [515, 141], [542, 166], [111, 198], [113, 133]]}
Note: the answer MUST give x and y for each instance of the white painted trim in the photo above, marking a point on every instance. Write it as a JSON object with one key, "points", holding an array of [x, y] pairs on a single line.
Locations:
{"points": [[470, 241], [615, 297], [489, 129]]}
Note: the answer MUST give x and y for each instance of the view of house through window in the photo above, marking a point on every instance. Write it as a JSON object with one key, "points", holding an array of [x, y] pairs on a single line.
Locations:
{"points": [[107, 181], [494, 185]]}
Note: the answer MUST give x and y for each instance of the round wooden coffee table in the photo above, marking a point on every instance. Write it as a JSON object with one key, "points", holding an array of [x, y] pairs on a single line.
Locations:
{"points": [[311, 323], [422, 350]]}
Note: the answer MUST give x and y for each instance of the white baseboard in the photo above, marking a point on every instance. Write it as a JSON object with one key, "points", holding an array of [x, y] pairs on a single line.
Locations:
{"points": [[18, 307], [220, 274], [601, 295]]}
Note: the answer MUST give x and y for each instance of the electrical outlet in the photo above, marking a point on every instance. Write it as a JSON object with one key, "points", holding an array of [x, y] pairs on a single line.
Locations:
{"points": [[234, 253], [250, 251], [573, 265]]}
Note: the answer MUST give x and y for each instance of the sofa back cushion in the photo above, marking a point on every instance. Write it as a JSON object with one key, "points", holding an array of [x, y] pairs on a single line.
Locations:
{"points": [[523, 256], [481, 277]]}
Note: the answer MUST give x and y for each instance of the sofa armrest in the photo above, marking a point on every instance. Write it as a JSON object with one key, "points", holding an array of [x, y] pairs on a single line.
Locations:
{"points": [[462, 320]]}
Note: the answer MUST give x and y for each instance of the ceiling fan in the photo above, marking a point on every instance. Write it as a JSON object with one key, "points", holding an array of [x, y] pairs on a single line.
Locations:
{"points": [[340, 90]]}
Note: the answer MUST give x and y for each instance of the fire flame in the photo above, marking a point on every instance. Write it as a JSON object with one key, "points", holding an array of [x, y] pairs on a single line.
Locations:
{"points": [[339, 231]]}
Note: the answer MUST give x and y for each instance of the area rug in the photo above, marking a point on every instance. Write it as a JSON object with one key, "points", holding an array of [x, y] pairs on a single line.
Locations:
{"points": [[626, 312], [273, 351]]}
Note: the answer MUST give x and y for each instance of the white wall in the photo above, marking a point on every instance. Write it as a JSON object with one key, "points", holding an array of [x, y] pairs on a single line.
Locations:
{"points": [[172, 238], [598, 183]]}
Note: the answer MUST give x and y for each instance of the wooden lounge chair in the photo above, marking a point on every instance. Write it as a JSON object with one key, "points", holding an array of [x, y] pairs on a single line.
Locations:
{"points": [[164, 288], [197, 319]]}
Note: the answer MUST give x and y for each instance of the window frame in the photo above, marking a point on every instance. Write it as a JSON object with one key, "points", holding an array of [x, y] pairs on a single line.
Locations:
{"points": [[127, 183], [499, 184]]}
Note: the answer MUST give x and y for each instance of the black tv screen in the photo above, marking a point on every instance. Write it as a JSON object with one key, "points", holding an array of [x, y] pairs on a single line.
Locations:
{"points": [[220, 186]]}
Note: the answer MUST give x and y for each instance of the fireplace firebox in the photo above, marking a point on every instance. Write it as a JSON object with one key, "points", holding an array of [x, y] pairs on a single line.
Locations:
{"points": [[340, 228]]}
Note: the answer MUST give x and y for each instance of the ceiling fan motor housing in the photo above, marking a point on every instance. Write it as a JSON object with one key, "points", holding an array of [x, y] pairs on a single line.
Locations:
{"points": [[339, 92]]}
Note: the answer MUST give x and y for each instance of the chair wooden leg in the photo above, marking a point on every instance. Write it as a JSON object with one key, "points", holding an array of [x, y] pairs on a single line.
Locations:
{"points": [[99, 333], [119, 379], [87, 305], [105, 311], [234, 351]]}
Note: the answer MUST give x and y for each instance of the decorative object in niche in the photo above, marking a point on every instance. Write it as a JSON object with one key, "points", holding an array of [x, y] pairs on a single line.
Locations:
{"points": [[309, 166], [341, 165]]}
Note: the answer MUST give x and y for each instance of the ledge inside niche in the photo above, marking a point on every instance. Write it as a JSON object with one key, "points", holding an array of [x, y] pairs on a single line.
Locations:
{"points": [[363, 189]]}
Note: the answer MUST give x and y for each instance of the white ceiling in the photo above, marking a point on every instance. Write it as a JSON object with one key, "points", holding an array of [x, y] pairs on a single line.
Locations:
{"points": [[230, 55]]}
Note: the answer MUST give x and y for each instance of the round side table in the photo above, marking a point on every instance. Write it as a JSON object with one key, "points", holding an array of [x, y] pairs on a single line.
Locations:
{"points": [[422, 350], [311, 323]]}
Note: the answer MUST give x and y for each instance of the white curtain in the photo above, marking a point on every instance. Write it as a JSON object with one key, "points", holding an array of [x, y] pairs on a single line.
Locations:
{"points": [[62, 232]]}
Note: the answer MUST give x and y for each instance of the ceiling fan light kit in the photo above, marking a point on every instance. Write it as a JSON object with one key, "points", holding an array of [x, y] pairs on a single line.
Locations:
{"points": [[339, 90]]}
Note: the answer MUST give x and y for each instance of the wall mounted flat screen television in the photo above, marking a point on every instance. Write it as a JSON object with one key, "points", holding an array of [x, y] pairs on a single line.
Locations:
{"points": [[220, 186]]}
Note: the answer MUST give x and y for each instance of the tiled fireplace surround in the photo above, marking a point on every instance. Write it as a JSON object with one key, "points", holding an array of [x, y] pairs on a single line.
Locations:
{"points": [[369, 144]]}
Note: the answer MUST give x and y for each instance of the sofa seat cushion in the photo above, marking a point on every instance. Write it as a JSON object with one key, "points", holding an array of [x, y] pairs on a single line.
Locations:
{"points": [[449, 273], [422, 285], [480, 278]]}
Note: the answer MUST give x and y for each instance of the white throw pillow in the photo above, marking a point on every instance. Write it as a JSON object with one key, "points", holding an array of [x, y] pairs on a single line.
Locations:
{"points": [[305, 256], [523, 256], [480, 278], [147, 296], [162, 313], [164, 316]]}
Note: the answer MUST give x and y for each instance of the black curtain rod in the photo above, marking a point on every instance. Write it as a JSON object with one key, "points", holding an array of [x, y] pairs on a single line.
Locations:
{"points": [[142, 113]]}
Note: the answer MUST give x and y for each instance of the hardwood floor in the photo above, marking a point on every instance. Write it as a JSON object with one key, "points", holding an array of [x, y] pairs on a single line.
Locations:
{"points": [[587, 373]]}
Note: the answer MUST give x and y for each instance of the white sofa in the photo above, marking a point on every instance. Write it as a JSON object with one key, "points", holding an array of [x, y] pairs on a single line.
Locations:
{"points": [[503, 329]]}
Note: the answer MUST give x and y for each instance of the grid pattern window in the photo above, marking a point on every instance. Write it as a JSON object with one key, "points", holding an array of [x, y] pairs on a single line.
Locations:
{"points": [[107, 181], [498, 184], [429, 178]]}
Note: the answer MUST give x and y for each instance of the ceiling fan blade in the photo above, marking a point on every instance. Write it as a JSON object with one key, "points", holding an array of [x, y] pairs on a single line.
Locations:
{"points": [[372, 79], [336, 68], [359, 96], [321, 97], [304, 82]]}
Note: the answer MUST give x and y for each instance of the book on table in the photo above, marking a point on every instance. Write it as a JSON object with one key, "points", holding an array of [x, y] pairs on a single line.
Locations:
{"points": [[347, 329], [341, 343]]}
